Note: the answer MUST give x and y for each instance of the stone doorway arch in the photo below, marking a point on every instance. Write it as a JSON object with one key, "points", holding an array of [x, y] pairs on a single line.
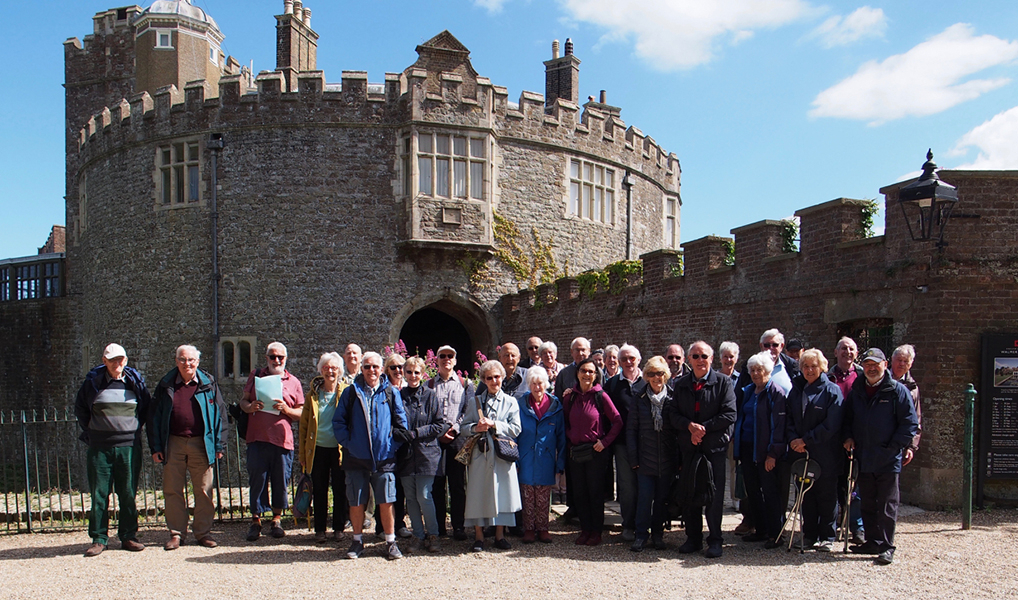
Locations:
{"points": [[431, 321]]}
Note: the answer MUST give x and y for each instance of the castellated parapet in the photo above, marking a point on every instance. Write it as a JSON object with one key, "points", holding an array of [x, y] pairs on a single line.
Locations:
{"points": [[345, 211]]}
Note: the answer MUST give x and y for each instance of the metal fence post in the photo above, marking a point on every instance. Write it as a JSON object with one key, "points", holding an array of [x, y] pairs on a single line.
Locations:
{"points": [[28, 480], [966, 492]]}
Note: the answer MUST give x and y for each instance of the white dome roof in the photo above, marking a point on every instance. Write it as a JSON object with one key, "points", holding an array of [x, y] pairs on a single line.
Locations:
{"points": [[182, 8]]}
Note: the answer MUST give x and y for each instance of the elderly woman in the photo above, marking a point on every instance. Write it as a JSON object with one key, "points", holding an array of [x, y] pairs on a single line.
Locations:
{"points": [[319, 450], [549, 354], [652, 449], [759, 443], [611, 361], [542, 445], [592, 424], [901, 368], [493, 491], [814, 426], [393, 369], [417, 460]]}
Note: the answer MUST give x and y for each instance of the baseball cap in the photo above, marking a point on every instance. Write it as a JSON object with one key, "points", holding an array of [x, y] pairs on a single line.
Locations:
{"points": [[113, 351], [875, 354], [447, 348]]}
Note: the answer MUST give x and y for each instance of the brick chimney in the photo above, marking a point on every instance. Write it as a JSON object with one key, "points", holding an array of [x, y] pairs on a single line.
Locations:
{"points": [[561, 76], [296, 43]]}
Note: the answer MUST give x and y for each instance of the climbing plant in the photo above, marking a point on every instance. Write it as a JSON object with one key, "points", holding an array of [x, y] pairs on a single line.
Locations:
{"points": [[789, 235]]}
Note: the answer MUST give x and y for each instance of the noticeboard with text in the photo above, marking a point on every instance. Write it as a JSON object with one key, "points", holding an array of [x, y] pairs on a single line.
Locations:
{"points": [[999, 407]]}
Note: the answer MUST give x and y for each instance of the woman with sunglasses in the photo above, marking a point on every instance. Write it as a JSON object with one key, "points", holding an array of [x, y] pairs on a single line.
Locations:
{"points": [[394, 371], [592, 424], [652, 449], [319, 452], [493, 490]]}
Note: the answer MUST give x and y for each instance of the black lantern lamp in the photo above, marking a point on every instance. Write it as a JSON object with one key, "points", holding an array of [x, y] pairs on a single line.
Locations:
{"points": [[927, 204]]}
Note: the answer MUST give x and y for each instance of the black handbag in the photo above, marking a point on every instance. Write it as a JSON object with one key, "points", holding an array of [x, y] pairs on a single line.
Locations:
{"points": [[505, 446], [581, 453]]}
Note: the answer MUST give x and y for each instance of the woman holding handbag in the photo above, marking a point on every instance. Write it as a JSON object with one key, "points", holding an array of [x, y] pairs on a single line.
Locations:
{"points": [[493, 491], [319, 450]]}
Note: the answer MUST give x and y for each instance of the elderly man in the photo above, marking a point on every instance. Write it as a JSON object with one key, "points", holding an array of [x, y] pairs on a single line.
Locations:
{"points": [[794, 349], [352, 360], [703, 412], [509, 356], [623, 389], [675, 355], [454, 395], [270, 441], [533, 357], [845, 371], [111, 406], [187, 435], [729, 358], [880, 422], [611, 361], [566, 379], [901, 367], [369, 424]]}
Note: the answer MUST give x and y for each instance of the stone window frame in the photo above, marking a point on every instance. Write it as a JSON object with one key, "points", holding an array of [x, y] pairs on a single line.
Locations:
{"points": [[670, 218], [178, 174], [159, 33], [235, 345], [475, 156], [213, 54], [587, 176]]}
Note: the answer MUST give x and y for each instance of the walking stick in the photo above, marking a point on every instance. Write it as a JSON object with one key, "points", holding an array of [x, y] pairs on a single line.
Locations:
{"points": [[848, 501], [810, 471]]}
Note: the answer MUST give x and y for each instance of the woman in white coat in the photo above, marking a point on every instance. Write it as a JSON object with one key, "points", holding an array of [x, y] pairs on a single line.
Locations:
{"points": [[493, 491]]}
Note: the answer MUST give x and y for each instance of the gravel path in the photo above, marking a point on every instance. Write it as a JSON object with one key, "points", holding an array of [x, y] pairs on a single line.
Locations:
{"points": [[935, 559]]}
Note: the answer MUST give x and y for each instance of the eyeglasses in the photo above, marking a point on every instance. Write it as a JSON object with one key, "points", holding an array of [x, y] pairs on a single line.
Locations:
{"points": [[587, 371], [493, 378], [532, 347], [771, 345], [655, 374], [674, 357], [395, 367], [628, 358], [699, 356], [371, 367], [275, 357], [185, 360], [447, 356]]}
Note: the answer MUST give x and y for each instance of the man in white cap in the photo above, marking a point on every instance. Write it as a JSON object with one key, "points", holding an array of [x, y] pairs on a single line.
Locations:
{"points": [[111, 406], [454, 393]]}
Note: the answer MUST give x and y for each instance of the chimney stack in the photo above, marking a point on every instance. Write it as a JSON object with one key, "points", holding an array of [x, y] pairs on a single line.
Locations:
{"points": [[561, 76]]}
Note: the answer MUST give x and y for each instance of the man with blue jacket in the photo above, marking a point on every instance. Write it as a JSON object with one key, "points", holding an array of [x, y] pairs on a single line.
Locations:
{"points": [[187, 435], [370, 411], [111, 407], [880, 421]]}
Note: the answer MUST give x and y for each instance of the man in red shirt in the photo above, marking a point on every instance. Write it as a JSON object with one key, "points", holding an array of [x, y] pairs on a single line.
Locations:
{"points": [[270, 441]]}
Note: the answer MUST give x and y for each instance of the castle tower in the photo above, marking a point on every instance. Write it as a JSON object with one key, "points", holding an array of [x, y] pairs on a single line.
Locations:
{"points": [[176, 42], [296, 42], [561, 75]]}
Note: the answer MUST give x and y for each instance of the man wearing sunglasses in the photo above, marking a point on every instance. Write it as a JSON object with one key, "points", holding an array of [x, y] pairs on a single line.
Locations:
{"points": [[533, 357], [270, 441], [703, 413]]}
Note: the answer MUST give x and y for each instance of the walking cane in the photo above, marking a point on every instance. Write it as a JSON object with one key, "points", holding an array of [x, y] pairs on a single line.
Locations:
{"points": [[845, 518], [806, 472]]}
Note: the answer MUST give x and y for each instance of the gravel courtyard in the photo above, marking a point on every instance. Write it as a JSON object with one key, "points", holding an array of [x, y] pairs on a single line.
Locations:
{"points": [[935, 559]]}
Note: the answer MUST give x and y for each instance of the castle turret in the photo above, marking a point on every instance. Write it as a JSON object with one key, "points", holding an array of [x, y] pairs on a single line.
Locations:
{"points": [[561, 75], [176, 42], [296, 43]]}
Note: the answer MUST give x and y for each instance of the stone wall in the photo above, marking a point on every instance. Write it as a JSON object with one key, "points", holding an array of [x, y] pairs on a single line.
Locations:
{"points": [[940, 302], [41, 368]]}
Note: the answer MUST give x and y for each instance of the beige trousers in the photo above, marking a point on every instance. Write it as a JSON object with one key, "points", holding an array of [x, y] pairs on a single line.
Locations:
{"points": [[187, 455]]}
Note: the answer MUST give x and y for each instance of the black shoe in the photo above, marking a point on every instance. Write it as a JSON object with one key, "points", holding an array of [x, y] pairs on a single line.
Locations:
{"points": [[254, 532], [690, 546], [503, 544], [478, 546], [356, 547], [772, 544], [886, 557], [658, 541], [277, 530], [756, 537], [866, 548], [713, 550], [460, 535], [638, 545]]}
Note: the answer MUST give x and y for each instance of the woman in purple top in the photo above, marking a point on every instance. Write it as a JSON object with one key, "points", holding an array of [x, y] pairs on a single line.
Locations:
{"points": [[592, 424]]}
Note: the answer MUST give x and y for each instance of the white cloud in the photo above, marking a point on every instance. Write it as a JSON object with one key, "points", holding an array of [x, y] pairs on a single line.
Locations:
{"points": [[865, 22], [682, 34], [493, 6], [996, 140], [923, 81]]}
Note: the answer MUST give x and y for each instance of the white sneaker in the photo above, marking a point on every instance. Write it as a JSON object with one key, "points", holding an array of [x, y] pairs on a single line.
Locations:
{"points": [[824, 546]]}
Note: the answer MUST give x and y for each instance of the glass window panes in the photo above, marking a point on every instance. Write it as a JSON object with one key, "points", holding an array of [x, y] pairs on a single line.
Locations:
{"points": [[459, 165], [424, 181], [180, 174], [442, 177], [459, 146], [442, 144], [477, 148], [591, 191], [477, 180], [460, 178]]}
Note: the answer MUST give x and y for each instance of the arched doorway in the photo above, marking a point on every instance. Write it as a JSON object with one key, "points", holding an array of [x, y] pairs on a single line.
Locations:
{"points": [[453, 321]]}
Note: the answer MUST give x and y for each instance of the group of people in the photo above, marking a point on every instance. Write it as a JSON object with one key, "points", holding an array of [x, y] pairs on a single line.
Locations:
{"points": [[658, 436]]}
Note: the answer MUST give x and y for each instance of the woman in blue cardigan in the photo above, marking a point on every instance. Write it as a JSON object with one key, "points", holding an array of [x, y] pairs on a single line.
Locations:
{"points": [[542, 445]]}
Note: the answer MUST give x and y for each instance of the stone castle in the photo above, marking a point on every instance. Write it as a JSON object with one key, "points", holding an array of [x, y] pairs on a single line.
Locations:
{"points": [[210, 205]]}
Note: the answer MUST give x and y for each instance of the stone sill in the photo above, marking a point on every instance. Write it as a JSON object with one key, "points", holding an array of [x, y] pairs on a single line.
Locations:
{"points": [[877, 239], [445, 245], [780, 257], [723, 269]]}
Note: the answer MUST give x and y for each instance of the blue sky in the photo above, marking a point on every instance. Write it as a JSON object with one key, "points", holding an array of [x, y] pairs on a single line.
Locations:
{"points": [[770, 105]]}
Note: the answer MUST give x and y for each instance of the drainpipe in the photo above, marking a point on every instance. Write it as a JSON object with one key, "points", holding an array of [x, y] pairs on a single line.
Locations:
{"points": [[626, 183], [215, 146]]}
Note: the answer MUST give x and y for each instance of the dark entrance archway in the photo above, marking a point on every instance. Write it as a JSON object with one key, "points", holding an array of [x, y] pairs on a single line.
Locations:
{"points": [[447, 322]]}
